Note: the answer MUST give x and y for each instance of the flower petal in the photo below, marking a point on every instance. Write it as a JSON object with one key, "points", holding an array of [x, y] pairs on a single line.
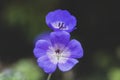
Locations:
{"points": [[44, 36], [60, 37], [46, 64], [68, 65], [42, 44], [41, 47], [75, 48], [39, 52], [58, 16]]}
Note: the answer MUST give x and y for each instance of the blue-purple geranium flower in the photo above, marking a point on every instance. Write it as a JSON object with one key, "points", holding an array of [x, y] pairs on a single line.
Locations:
{"points": [[59, 51], [61, 20]]}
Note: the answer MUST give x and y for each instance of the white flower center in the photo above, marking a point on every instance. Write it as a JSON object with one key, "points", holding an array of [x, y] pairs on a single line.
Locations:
{"points": [[58, 54], [59, 25]]}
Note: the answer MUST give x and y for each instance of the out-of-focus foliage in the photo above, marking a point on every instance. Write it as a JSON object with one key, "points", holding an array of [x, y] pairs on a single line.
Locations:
{"points": [[30, 15], [118, 52], [114, 74], [9, 74], [101, 59], [25, 69]]}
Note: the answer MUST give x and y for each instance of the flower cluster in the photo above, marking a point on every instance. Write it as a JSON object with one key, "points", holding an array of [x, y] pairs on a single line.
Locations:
{"points": [[58, 50]]}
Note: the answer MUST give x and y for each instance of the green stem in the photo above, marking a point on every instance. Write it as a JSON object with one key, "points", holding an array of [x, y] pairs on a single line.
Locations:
{"points": [[49, 76]]}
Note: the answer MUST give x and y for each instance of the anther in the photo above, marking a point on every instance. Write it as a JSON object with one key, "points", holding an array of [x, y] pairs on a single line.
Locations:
{"points": [[61, 25]]}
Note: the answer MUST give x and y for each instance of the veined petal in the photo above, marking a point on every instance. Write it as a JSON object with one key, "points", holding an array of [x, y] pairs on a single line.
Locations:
{"points": [[60, 37], [45, 63], [75, 48], [68, 65]]}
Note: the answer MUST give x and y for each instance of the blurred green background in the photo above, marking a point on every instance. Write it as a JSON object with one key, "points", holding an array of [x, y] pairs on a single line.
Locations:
{"points": [[97, 30]]}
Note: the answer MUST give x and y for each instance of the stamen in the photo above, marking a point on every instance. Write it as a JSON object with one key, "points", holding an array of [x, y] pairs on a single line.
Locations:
{"points": [[57, 51], [59, 25]]}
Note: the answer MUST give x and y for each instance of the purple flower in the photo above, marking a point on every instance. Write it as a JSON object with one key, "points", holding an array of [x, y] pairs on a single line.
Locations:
{"points": [[59, 51], [61, 20]]}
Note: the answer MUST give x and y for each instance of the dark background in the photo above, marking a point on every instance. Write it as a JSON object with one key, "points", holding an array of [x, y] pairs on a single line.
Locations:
{"points": [[97, 30]]}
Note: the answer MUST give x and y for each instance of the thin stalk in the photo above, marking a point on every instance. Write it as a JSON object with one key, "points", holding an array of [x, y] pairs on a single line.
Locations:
{"points": [[49, 76]]}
